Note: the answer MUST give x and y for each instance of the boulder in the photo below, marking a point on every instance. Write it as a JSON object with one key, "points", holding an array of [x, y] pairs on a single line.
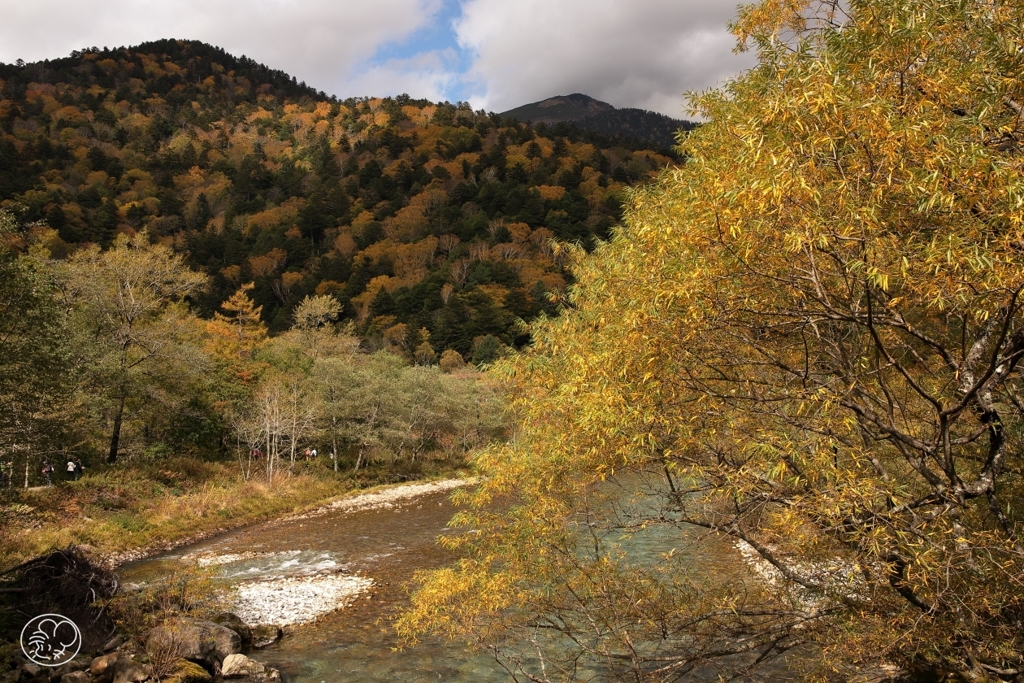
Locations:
{"points": [[31, 670], [113, 643], [189, 672], [240, 666], [269, 675], [129, 671], [76, 664], [102, 668], [265, 634], [235, 623], [10, 676], [201, 641], [75, 677]]}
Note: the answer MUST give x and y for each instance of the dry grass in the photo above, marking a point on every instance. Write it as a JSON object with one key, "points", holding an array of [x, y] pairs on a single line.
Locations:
{"points": [[129, 508]]}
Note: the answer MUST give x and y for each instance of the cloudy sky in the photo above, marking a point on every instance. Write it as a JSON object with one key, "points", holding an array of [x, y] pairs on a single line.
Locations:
{"points": [[496, 54]]}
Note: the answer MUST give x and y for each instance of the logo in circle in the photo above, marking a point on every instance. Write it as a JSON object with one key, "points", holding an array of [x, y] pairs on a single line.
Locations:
{"points": [[50, 640]]}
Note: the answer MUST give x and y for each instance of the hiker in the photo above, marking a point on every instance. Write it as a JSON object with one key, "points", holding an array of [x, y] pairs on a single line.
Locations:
{"points": [[313, 453], [47, 471], [72, 470], [79, 468], [306, 454]]}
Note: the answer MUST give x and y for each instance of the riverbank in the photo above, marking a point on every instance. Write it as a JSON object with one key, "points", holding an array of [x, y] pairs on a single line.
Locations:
{"points": [[126, 514]]}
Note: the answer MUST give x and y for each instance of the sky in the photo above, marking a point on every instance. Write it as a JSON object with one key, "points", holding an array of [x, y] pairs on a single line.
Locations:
{"points": [[495, 54]]}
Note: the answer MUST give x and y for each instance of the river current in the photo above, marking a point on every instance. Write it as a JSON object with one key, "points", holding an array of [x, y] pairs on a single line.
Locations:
{"points": [[353, 644], [387, 545]]}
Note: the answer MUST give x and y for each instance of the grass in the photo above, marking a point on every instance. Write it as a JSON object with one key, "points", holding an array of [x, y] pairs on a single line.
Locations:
{"points": [[133, 507]]}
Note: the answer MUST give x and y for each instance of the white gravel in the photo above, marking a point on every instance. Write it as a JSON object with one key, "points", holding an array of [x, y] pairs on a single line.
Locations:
{"points": [[386, 499], [212, 560], [296, 600]]}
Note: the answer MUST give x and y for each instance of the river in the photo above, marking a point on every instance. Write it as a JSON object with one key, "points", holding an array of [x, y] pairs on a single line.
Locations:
{"points": [[386, 544]]}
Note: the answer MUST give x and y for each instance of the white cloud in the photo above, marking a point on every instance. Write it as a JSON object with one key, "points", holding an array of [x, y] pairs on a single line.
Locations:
{"points": [[640, 53], [425, 75], [318, 41]]}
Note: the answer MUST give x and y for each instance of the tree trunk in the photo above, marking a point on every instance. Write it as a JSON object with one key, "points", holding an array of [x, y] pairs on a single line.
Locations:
{"points": [[334, 448], [115, 438]]}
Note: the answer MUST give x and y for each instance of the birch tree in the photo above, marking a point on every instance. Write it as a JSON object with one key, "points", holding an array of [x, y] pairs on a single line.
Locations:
{"points": [[129, 309]]}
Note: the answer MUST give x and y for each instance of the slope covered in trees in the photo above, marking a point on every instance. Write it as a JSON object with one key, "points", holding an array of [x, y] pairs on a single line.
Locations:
{"points": [[428, 222], [802, 351], [180, 421]]}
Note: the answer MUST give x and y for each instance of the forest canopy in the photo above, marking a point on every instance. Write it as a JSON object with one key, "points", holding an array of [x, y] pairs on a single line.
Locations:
{"points": [[801, 353], [421, 218]]}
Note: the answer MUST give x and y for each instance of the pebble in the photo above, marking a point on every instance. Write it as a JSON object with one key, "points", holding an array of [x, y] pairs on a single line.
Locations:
{"points": [[296, 600]]}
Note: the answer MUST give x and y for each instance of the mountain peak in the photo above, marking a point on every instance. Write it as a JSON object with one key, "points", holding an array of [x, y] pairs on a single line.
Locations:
{"points": [[594, 115]]}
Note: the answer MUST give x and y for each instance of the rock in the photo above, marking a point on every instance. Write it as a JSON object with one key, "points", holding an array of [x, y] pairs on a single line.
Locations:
{"points": [[113, 643], [31, 670], [75, 677], [235, 623], [76, 664], [265, 634], [102, 668], [200, 641], [240, 666], [270, 675], [10, 676], [128, 671], [189, 672]]}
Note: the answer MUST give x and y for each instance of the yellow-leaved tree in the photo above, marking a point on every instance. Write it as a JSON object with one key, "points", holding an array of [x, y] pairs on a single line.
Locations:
{"points": [[783, 410]]}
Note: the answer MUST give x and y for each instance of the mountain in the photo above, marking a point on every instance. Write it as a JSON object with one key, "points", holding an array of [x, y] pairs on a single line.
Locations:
{"points": [[425, 220], [600, 117]]}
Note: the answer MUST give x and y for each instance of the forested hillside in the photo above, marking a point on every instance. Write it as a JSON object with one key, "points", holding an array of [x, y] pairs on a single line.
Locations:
{"points": [[428, 222]]}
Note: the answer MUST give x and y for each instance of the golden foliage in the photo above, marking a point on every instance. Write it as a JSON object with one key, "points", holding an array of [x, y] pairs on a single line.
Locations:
{"points": [[806, 339]]}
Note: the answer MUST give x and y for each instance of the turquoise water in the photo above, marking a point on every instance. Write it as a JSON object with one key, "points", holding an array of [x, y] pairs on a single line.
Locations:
{"points": [[388, 546]]}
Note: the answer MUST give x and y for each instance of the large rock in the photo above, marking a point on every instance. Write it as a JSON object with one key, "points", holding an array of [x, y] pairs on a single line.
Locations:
{"points": [[189, 672], [114, 643], [201, 641], [265, 634], [235, 623], [128, 671], [240, 666], [77, 664], [102, 668], [269, 675], [75, 677]]}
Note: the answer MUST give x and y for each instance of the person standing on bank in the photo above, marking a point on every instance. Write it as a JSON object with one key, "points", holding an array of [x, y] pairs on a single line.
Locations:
{"points": [[72, 470]]}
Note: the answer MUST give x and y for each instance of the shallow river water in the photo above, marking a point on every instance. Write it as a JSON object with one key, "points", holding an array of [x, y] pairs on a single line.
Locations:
{"points": [[352, 644], [386, 545]]}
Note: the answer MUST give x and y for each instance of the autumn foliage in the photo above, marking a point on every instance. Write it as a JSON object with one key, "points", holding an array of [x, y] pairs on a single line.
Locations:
{"points": [[800, 354], [380, 203]]}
